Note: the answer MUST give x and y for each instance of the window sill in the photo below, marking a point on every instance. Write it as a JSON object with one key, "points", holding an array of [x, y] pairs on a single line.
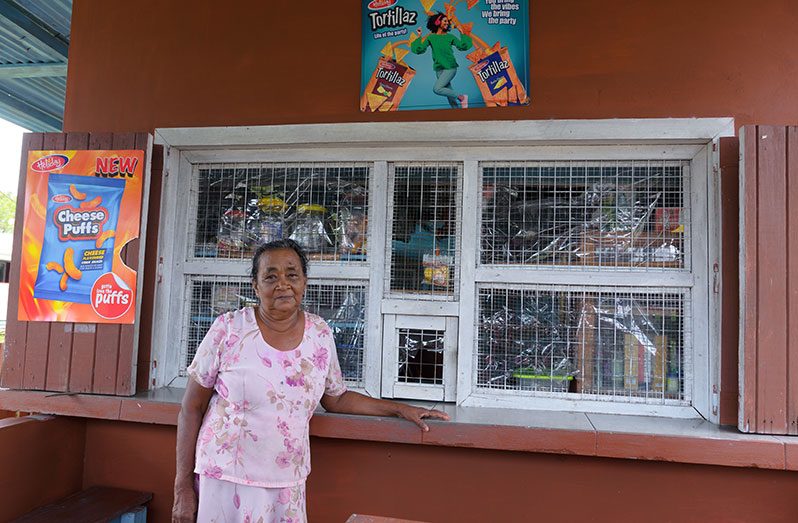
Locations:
{"points": [[599, 435]]}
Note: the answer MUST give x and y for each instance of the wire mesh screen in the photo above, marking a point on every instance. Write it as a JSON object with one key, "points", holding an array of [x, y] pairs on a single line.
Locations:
{"points": [[323, 206], [424, 214], [420, 356], [341, 304], [597, 214], [630, 344]]}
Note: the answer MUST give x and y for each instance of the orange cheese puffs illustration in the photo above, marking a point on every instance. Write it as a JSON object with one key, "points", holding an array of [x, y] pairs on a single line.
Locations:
{"points": [[55, 266], [104, 236], [69, 264], [76, 194], [92, 203], [63, 284]]}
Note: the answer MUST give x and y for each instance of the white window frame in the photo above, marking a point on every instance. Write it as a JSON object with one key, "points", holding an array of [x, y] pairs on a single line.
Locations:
{"points": [[468, 143]]}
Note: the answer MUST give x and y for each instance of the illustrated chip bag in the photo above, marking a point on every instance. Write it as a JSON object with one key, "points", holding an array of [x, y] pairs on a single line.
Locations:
{"points": [[387, 85], [79, 236], [495, 75]]}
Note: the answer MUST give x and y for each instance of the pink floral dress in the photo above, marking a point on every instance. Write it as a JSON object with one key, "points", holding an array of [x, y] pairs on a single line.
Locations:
{"points": [[253, 452]]}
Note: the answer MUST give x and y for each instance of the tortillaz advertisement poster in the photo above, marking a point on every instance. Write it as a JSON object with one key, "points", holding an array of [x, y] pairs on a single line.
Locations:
{"points": [[429, 54], [81, 209]]}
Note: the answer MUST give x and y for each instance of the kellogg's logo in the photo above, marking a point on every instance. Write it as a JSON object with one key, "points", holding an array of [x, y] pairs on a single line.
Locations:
{"points": [[52, 162], [374, 5]]}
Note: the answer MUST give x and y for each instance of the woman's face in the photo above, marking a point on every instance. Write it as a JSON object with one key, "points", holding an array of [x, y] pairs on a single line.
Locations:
{"points": [[280, 283]]}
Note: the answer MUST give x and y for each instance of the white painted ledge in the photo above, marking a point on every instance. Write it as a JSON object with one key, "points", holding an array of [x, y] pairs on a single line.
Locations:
{"points": [[508, 132]]}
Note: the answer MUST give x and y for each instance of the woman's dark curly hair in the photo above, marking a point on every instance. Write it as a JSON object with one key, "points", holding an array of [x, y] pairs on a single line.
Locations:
{"points": [[277, 245], [434, 21]]}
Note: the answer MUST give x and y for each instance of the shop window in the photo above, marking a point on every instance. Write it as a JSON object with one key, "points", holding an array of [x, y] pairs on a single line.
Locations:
{"points": [[322, 207], [583, 218], [598, 214], [563, 277], [620, 342], [419, 357], [424, 231]]}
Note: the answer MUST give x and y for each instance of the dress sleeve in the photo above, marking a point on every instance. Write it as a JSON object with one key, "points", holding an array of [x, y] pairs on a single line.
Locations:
{"points": [[334, 384], [205, 366]]}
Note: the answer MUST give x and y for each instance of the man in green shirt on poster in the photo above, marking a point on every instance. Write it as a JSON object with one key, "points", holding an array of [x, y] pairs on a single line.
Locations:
{"points": [[443, 62]]}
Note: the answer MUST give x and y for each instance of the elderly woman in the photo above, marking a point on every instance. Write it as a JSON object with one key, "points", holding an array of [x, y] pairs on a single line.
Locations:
{"points": [[256, 380]]}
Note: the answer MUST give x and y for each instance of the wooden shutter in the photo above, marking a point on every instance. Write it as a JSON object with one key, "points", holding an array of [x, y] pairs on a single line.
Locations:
{"points": [[769, 280], [68, 357]]}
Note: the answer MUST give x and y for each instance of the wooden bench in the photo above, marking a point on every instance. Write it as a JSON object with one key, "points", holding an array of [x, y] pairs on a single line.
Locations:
{"points": [[94, 505]]}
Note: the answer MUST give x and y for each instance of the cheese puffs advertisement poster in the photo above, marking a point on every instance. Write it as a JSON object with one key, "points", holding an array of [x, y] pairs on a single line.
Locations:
{"points": [[81, 209], [433, 54]]}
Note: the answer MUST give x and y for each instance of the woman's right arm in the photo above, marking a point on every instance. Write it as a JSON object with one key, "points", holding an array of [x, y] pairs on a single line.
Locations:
{"points": [[192, 410]]}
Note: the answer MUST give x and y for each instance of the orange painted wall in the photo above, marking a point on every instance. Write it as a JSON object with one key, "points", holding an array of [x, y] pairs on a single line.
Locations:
{"points": [[467, 485], [41, 461], [146, 64]]}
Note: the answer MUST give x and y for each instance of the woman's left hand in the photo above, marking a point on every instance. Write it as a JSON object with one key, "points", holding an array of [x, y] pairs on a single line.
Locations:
{"points": [[417, 415]]}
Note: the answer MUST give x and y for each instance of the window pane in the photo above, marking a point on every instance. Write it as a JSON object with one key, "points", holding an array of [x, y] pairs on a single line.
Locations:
{"points": [[341, 304], [629, 344], [424, 210], [420, 356], [324, 207], [597, 214]]}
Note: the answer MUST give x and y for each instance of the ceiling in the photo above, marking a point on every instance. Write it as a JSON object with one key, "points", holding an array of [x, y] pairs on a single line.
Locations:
{"points": [[34, 44]]}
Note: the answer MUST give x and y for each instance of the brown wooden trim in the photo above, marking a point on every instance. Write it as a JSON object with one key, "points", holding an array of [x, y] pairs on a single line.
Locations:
{"points": [[549, 441], [730, 274], [365, 428], [38, 340], [60, 356], [17, 332], [144, 358], [792, 280], [790, 452], [78, 405], [126, 369], [771, 268], [719, 448], [755, 453], [748, 421], [36, 347], [132, 409]]}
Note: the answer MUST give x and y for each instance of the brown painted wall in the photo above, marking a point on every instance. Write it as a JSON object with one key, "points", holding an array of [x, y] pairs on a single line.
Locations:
{"points": [[190, 63], [193, 63], [41, 460], [463, 485]]}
